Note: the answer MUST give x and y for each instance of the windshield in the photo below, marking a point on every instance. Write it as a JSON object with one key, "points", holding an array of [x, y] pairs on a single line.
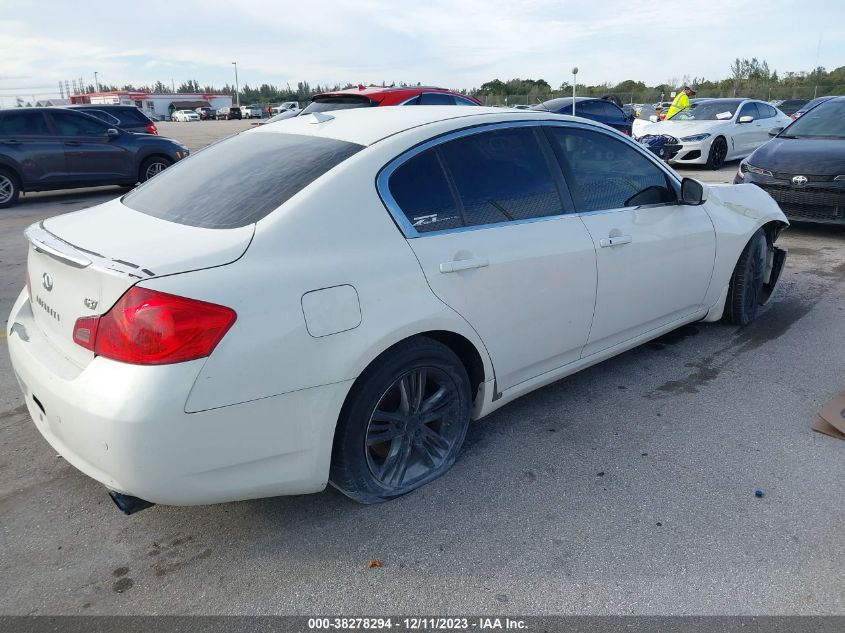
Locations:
{"points": [[826, 120], [715, 110], [339, 102]]}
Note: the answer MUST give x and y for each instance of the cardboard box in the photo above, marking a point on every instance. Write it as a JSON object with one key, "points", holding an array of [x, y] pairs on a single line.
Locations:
{"points": [[831, 419]]}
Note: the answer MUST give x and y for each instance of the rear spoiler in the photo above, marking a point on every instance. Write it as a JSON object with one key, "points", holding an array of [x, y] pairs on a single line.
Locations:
{"points": [[45, 242]]}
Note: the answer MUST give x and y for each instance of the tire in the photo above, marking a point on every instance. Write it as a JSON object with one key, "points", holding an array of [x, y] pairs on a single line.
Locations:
{"points": [[152, 166], [746, 286], [718, 152], [392, 437], [10, 189]]}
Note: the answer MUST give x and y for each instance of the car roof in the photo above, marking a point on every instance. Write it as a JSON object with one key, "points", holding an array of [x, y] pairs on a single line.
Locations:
{"points": [[366, 126]]}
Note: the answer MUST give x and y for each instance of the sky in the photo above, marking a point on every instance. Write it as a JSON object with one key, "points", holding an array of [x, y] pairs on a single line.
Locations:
{"points": [[450, 43]]}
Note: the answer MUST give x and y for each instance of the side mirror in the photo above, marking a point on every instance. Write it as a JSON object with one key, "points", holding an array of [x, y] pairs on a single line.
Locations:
{"points": [[745, 119], [112, 133], [692, 192], [775, 131]]}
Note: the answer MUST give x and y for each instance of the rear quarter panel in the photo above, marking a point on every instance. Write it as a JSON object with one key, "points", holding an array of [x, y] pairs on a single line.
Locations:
{"points": [[335, 232]]}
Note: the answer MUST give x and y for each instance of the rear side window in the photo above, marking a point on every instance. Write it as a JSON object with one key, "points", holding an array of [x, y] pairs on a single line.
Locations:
{"points": [[22, 123], [240, 180], [436, 98], [606, 173], [133, 115], [486, 178], [103, 116], [502, 176], [421, 189]]}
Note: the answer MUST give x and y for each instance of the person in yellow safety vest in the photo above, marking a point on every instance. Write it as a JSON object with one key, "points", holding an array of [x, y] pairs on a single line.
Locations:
{"points": [[680, 103]]}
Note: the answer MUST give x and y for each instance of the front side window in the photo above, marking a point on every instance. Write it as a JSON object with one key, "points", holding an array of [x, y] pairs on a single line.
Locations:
{"points": [[749, 109], [239, 180], [487, 178], [605, 173], [22, 123], [72, 124]]}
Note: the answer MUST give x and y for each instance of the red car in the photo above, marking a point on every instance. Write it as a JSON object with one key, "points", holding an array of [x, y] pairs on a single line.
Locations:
{"points": [[368, 96]]}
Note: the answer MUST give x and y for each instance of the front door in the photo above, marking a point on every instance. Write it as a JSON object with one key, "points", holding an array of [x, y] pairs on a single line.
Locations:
{"points": [[92, 156], [654, 256], [485, 218]]}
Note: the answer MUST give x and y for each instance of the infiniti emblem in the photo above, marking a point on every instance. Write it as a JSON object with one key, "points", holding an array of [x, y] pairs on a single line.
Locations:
{"points": [[799, 181], [47, 281]]}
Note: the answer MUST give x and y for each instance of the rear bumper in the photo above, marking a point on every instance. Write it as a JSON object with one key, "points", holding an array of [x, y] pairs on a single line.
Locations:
{"points": [[126, 427]]}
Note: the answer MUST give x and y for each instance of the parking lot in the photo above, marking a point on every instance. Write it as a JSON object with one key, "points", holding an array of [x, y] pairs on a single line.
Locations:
{"points": [[628, 488]]}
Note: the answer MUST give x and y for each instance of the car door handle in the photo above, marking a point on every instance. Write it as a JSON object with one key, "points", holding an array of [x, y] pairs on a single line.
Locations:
{"points": [[72, 143], [12, 142], [616, 240], [462, 264]]}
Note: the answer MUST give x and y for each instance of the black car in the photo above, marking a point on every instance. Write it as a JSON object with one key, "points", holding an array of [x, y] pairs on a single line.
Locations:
{"points": [[229, 113], [803, 167], [125, 117], [206, 114], [43, 149], [791, 106], [809, 106], [601, 110]]}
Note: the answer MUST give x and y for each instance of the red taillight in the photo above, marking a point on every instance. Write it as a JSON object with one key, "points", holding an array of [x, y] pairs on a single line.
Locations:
{"points": [[626, 133], [152, 129], [793, 117], [146, 327]]}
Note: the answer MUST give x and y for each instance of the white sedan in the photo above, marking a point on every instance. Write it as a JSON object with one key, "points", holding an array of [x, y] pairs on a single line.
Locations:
{"points": [[185, 115], [332, 298], [718, 130]]}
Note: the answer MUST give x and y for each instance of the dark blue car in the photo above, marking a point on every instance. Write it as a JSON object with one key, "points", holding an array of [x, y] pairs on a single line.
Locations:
{"points": [[601, 110]]}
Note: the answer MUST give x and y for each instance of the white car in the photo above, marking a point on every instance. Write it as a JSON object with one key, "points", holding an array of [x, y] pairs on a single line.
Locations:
{"points": [[340, 315], [185, 115], [714, 131], [252, 112], [284, 107]]}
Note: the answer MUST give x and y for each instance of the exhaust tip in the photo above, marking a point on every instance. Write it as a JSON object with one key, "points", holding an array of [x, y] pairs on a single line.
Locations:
{"points": [[129, 504]]}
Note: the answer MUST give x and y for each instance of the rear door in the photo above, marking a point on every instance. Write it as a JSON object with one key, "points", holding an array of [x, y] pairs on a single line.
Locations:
{"points": [[92, 156], [485, 214], [35, 153], [654, 256]]}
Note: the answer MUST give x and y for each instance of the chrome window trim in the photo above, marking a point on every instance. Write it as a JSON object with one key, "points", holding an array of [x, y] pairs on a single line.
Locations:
{"points": [[410, 232]]}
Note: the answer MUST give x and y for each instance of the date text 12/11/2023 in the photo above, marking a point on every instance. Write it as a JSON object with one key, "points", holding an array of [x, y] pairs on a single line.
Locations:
{"points": [[426, 623]]}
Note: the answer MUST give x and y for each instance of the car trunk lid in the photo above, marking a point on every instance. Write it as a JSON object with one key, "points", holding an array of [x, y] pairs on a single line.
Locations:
{"points": [[81, 263]]}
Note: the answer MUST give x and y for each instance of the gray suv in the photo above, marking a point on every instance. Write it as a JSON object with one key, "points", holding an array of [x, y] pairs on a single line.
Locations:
{"points": [[44, 149]]}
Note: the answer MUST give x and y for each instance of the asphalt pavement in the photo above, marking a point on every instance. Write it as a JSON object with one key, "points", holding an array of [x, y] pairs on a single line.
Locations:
{"points": [[628, 488]]}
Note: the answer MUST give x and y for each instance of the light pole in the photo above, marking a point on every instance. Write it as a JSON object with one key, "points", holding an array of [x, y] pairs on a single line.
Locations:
{"points": [[237, 90], [96, 81], [574, 82]]}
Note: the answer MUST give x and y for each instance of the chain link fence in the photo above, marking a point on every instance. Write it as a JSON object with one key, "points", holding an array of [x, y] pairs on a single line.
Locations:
{"points": [[764, 93]]}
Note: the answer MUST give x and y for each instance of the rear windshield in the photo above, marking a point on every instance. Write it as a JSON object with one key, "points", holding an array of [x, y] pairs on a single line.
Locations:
{"points": [[340, 102], [239, 180]]}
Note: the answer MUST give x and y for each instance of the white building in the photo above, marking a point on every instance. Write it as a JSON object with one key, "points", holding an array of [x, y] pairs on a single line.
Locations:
{"points": [[161, 106]]}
